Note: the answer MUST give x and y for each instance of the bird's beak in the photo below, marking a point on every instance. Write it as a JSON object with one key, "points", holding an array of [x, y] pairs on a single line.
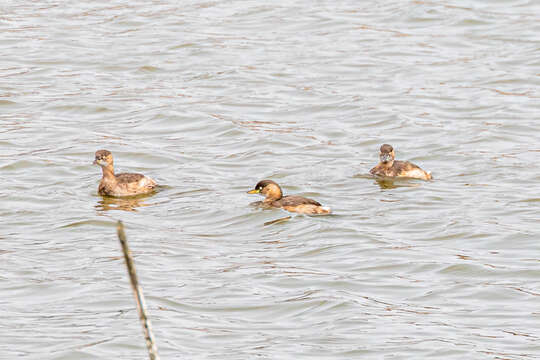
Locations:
{"points": [[254, 191], [95, 162]]}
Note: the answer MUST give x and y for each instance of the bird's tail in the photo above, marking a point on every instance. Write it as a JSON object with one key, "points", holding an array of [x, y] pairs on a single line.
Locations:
{"points": [[323, 210]]}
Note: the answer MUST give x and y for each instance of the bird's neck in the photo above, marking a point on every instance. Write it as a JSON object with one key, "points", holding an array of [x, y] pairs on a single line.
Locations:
{"points": [[108, 172], [273, 193]]}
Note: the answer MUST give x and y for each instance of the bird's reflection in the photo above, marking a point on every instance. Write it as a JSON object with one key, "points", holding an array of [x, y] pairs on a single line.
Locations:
{"points": [[261, 205], [390, 183], [125, 203]]}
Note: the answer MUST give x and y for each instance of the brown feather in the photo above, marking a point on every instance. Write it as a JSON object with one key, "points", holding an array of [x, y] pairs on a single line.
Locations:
{"points": [[400, 169], [274, 198], [295, 200], [124, 178], [125, 184]]}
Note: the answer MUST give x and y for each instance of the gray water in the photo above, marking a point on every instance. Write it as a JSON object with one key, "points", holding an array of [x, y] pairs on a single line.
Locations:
{"points": [[210, 97]]}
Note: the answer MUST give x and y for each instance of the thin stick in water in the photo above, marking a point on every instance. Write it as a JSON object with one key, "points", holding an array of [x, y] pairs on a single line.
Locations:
{"points": [[137, 292], [277, 221]]}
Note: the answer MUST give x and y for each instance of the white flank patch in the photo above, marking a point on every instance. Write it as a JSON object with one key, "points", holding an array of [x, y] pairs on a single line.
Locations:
{"points": [[146, 182]]}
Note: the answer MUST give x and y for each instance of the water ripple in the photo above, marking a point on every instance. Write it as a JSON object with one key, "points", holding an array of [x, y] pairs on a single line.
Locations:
{"points": [[209, 98]]}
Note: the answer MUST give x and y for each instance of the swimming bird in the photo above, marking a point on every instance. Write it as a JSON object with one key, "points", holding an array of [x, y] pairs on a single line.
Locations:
{"points": [[388, 167], [125, 184], [294, 203]]}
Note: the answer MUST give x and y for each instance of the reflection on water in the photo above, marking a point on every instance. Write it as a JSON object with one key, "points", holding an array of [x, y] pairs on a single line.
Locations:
{"points": [[211, 96], [259, 204], [389, 183], [125, 203]]}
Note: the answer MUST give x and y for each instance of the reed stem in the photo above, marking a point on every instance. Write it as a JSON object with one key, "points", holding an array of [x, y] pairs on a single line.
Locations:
{"points": [[277, 220], [138, 294]]}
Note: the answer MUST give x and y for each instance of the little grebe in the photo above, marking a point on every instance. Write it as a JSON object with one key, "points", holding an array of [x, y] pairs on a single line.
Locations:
{"points": [[393, 168], [274, 198], [122, 184]]}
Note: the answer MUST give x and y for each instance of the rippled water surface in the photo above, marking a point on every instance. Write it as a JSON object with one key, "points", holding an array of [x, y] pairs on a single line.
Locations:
{"points": [[210, 97]]}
